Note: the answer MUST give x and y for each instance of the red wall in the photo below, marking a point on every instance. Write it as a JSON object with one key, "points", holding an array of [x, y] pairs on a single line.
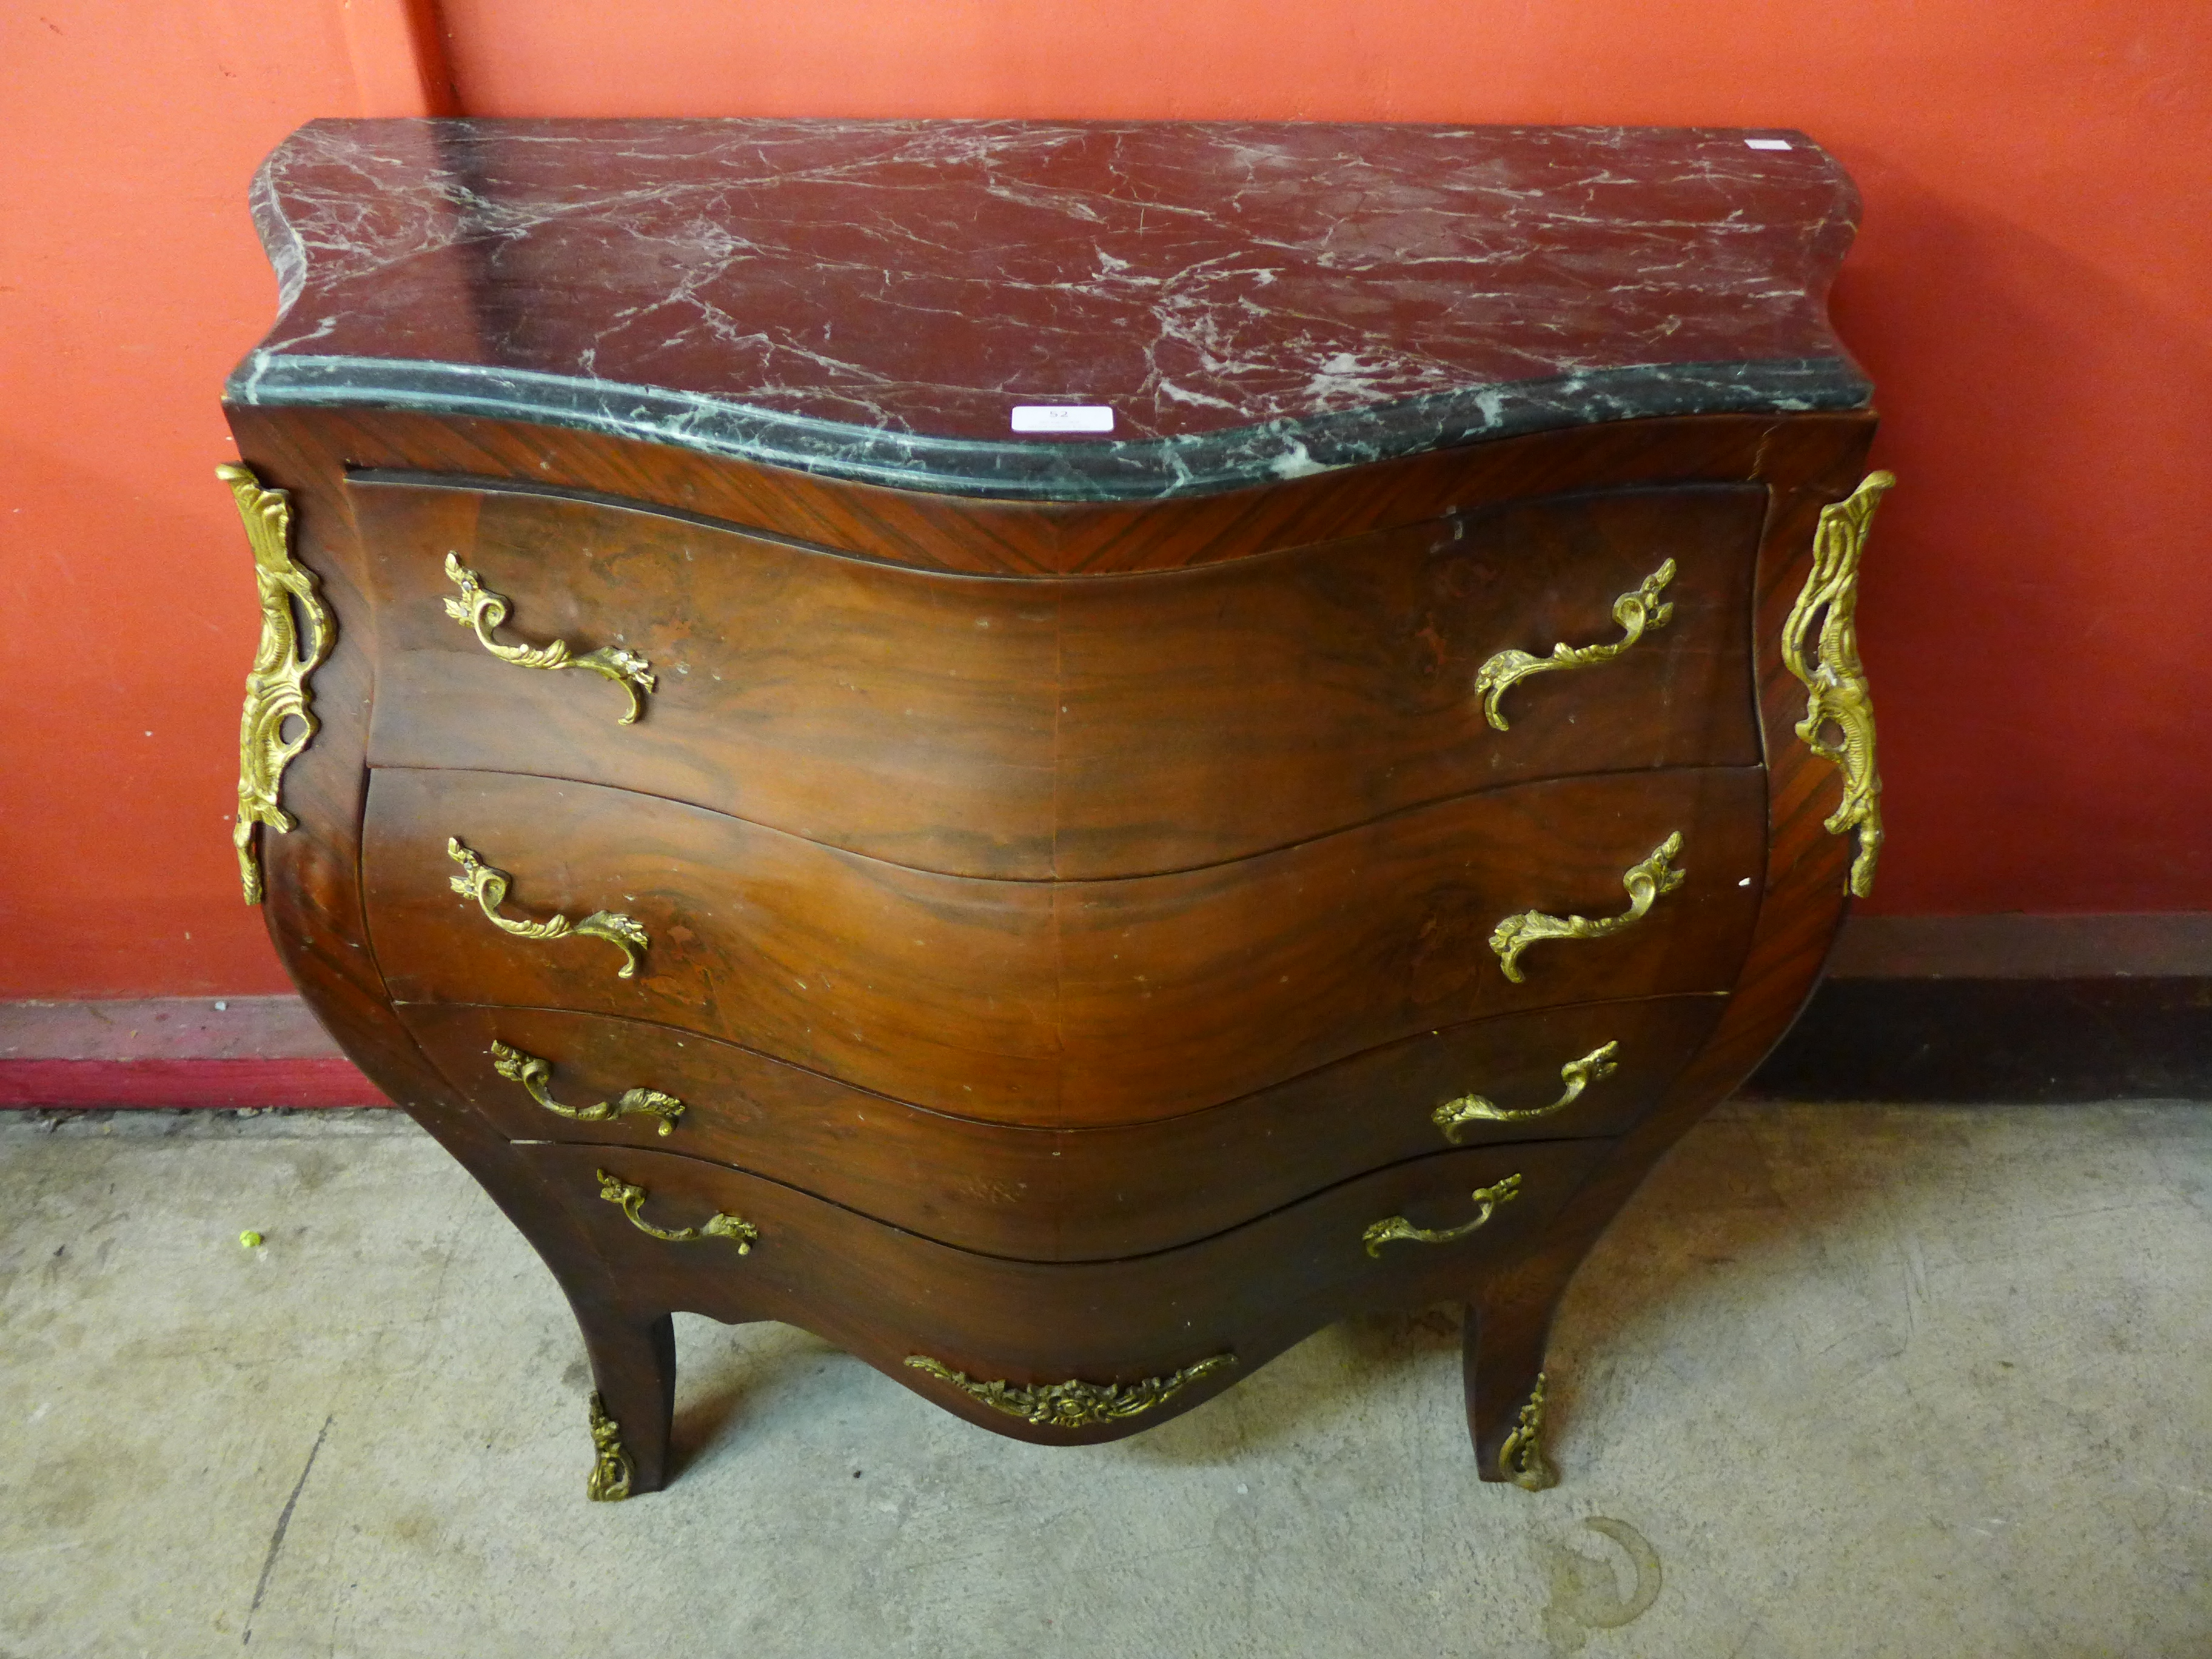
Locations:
{"points": [[131, 281], [2031, 292]]}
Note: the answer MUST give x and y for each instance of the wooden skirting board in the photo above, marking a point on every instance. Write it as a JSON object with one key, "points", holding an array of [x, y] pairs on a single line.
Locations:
{"points": [[174, 1051], [1916, 1009], [2013, 1008]]}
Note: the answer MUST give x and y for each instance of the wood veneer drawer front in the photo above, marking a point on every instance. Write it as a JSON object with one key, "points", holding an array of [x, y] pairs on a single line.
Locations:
{"points": [[1212, 713], [1067, 1194], [1058, 1003], [905, 715], [1081, 727], [886, 1294]]}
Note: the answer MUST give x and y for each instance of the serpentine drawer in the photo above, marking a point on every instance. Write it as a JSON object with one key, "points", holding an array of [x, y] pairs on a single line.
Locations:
{"points": [[1064, 1194], [1058, 1003], [1084, 728], [758, 1250]]}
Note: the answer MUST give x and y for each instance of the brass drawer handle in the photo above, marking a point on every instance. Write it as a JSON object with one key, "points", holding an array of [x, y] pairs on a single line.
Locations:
{"points": [[481, 610], [1454, 1116], [1635, 611], [487, 887], [1486, 1198], [536, 1076], [1075, 1405], [1646, 880], [722, 1225], [1825, 616]]}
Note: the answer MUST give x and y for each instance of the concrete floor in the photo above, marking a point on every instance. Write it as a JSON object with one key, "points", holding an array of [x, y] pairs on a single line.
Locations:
{"points": [[1842, 1381]]}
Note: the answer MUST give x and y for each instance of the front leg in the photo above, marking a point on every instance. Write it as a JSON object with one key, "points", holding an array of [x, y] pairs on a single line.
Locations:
{"points": [[1507, 1326], [633, 1357]]}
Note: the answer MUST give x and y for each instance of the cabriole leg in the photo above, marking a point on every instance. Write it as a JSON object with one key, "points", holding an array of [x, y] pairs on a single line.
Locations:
{"points": [[1507, 1327], [633, 1375]]}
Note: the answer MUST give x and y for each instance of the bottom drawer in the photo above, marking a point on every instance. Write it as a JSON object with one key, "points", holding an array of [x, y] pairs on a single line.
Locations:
{"points": [[1046, 1194], [1153, 1334]]}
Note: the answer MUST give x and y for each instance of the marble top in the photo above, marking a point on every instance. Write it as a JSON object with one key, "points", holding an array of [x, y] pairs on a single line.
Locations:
{"points": [[871, 300]]}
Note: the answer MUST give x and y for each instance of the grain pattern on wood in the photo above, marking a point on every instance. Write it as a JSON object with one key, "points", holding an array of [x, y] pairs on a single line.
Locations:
{"points": [[884, 1294], [904, 715], [1210, 713], [1077, 728], [1066, 1194], [1067, 1003]]}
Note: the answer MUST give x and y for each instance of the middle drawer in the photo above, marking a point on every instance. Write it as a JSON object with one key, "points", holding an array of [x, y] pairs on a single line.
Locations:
{"points": [[1064, 1194], [1055, 1003]]}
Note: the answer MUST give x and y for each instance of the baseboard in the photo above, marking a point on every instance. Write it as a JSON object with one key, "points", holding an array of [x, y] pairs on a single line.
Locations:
{"points": [[80, 1084], [2020, 1041], [1915, 1009], [2006, 1008], [2162, 945], [174, 1051]]}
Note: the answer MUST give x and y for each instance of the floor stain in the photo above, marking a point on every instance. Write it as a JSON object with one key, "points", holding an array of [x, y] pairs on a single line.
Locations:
{"points": [[283, 1520], [1586, 1591]]}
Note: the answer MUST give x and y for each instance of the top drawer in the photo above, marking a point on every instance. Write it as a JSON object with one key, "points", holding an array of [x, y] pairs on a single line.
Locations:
{"points": [[1078, 726]]}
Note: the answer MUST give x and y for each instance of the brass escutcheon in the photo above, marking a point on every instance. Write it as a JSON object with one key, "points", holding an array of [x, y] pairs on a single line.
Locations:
{"points": [[1820, 646], [1521, 1458], [1075, 1405], [612, 1468], [1576, 1074], [536, 1076], [1396, 1227], [1646, 880], [1636, 611], [296, 633]]}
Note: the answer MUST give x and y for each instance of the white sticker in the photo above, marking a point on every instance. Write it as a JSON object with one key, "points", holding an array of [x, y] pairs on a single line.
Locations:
{"points": [[1766, 143], [1063, 417]]}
